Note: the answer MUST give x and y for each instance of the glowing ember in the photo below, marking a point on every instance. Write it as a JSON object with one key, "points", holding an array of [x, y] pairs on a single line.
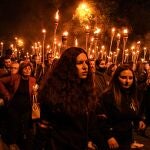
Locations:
{"points": [[84, 12], [65, 33], [57, 16]]}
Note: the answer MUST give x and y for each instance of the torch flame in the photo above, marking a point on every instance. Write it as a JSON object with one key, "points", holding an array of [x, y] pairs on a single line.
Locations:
{"points": [[84, 12], [57, 15], [65, 33], [97, 31], [118, 35], [76, 42], [125, 31], [43, 31], [87, 27], [113, 30]]}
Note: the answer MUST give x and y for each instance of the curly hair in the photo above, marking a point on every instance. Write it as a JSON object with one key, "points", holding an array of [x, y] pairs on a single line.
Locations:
{"points": [[63, 86]]}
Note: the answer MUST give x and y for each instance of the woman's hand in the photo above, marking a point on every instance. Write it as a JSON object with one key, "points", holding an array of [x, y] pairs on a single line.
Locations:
{"points": [[91, 145], [35, 89], [142, 125], [1, 102], [113, 144]]}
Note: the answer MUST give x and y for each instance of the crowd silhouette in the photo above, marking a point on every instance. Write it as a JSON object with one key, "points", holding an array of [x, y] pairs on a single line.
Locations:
{"points": [[86, 104]]}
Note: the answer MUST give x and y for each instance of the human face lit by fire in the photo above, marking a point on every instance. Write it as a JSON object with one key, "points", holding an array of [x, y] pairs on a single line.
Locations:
{"points": [[92, 65], [7, 63], [14, 68], [26, 71], [126, 79], [82, 65]]}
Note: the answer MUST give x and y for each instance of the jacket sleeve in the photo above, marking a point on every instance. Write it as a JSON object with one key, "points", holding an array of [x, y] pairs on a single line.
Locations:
{"points": [[104, 120], [3, 89], [144, 108]]}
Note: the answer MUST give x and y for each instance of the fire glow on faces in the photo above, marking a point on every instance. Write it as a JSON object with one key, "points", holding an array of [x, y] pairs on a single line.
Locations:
{"points": [[14, 68], [126, 79], [82, 65], [26, 71]]}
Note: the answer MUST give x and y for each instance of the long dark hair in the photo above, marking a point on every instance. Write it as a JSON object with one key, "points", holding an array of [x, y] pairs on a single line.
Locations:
{"points": [[116, 87], [63, 86]]}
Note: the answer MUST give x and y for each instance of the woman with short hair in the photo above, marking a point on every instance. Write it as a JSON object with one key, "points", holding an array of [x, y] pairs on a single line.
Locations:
{"points": [[17, 91]]}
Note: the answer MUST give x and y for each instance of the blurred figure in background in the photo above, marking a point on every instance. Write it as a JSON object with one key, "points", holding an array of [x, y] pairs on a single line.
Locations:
{"points": [[14, 68], [100, 65], [38, 68], [5, 70], [49, 61]]}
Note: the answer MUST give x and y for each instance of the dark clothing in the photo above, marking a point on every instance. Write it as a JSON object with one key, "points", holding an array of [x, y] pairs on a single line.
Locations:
{"points": [[118, 121], [37, 72], [19, 122], [66, 132], [20, 112], [21, 100], [145, 106], [10, 84], [48, 65], [4, 72], [100, 82]]}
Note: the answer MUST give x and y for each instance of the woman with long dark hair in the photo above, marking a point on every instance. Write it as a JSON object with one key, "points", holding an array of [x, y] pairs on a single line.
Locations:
{"points": [[120, 105], [67, 104]]}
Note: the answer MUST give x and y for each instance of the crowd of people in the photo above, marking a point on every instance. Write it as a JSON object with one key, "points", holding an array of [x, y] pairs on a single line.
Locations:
{"points": [[85, 104]]}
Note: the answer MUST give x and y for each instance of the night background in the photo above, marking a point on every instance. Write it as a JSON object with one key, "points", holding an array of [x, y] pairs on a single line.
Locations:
{"points": [[26, 18]]}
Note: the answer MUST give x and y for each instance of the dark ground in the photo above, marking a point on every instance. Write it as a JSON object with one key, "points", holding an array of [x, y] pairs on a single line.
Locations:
{"points": [[138, 138], [144, 140]]}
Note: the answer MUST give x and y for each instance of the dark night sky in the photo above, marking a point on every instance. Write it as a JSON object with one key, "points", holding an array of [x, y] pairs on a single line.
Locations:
{"points": [[26, 18]]}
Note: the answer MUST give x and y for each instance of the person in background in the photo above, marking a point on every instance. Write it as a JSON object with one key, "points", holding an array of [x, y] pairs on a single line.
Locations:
{"points": [[14, 67], [142, 78], [17, 91], [120, 109], [38, 68], [109, 73], [49, 61], [68, 102], [146, 66], [146, 104], [5, 70], [99, 78], [100, 65], [92, 65]]}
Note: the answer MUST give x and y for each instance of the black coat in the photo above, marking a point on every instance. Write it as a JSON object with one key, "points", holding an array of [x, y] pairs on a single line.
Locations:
{"points": [[66, 132], [145, 106], [117, 123]]}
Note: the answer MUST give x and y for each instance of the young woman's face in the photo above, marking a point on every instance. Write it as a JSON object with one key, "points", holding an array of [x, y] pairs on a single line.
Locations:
{"points": [[82, 65], [126, 79]]}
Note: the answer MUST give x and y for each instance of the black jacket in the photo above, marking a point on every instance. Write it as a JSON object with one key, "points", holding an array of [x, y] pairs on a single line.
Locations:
{"points": [[67, 132], [117, 123]]}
